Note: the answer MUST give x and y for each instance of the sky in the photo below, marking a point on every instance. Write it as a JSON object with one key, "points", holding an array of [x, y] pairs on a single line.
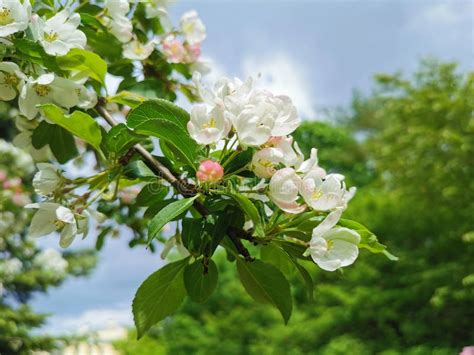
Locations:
{"points": [[317, 52]]}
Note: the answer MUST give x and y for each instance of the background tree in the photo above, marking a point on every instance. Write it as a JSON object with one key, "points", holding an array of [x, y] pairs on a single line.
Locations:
{"points": [[25, 268]]}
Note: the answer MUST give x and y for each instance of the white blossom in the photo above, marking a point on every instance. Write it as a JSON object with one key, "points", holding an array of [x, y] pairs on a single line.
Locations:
{"points": [[208, 127], [192, 27], [283, 190], [325, 193], [159, 9], [14, 16], [292, 155], [52, 261], [135, 50], [87, 98], [286, 119], [118, 22], [47, 88], [333, 247], [23, 140], [265, 161], [20, 160], [52, 217], [254, 124], [47, 179], [9, 268], [59, 34], [11, 80], [311, 164]]}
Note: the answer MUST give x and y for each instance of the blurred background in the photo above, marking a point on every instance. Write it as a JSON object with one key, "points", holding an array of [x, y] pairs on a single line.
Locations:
{"points": [[386, 91]]}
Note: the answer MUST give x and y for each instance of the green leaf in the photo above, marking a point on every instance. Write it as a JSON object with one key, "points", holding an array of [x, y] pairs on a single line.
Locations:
{"points": [[62, 144], [191, 234], [251, 211], [138, 169], [120, 139], [78, 123], [266, 284], [42, 135], [276, 256], [240, 161], [149, 88], [167, 214], [162, 119], [151, 194], [200, 283], [159, 296], [90, 64], [368, 240], [287, 264], [307, 279], [127, 98], [35, 53]]}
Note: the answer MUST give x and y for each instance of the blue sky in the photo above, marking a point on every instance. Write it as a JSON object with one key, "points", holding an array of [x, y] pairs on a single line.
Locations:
{"points": [[317, 52]]}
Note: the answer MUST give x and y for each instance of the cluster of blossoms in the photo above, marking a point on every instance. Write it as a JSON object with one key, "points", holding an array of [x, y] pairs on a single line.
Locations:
{"points": [[176, 50], [30, 85], [57, 35], [51, 216], [238, 113]]}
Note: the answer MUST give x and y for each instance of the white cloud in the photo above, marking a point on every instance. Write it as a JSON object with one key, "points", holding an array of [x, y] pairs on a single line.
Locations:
{"points": [[91, 320], [283, 75], [438, 17], [446, 13]]}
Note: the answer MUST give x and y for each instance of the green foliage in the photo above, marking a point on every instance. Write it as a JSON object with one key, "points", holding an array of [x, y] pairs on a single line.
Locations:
{"points": [[78, 123], [87, 63], [162, 119], [200, 279], [120, 139], [168, 213], [59, 140], [159, 296], [250, 210], [266, 284]]}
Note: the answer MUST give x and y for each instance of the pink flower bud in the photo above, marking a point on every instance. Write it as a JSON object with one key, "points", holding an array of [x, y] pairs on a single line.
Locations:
{"points": [[3, 175], [210, 171]]}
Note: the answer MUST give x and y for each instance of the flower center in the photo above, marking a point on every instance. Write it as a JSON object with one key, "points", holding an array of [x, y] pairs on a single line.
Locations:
{"points": [[330, 244], [5, 16], [266, 163], [138, 49], [51, 36], [10, 80], [317, 194], [210, 124], [42, 90], [59, 224]]}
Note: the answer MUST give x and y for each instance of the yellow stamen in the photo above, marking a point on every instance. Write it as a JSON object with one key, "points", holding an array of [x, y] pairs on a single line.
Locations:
{"points": [[330, 244], [42, 90], [266, 163], [59, 224], [50, 37], [5, 16], [317, 194], [11, 80], [211, 124]]}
